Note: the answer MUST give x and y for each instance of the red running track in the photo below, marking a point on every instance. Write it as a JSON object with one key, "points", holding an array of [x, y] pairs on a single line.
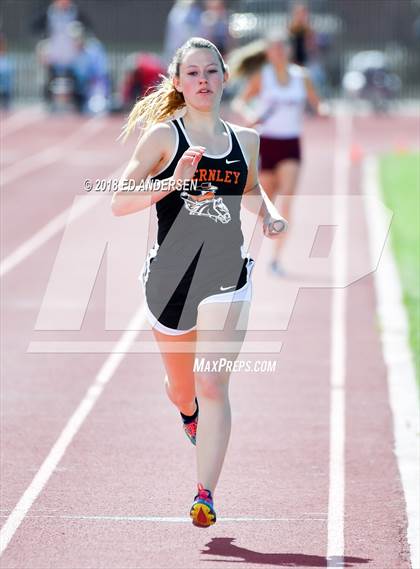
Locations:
{"points": [[130, 464]]}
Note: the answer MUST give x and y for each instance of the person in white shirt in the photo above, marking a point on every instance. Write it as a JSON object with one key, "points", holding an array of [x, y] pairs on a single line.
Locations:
{"points": [[281, 90]]}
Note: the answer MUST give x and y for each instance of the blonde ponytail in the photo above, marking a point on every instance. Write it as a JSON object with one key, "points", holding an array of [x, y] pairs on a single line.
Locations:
{"points": [[159, 105], [246, 60]]}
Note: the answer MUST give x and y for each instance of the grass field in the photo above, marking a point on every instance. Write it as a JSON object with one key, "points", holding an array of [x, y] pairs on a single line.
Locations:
{"points": [[400, 180]]}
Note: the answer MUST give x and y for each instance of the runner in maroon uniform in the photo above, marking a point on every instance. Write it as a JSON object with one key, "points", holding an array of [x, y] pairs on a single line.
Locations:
{"points": [[282, 90]]}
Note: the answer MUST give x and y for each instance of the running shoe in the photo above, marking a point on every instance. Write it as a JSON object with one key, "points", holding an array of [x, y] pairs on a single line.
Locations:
{"points": [[202, 511], [190, 424]]}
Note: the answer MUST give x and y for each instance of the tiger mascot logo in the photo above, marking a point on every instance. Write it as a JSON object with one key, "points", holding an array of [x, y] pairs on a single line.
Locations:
{"points": [[206, 203]]}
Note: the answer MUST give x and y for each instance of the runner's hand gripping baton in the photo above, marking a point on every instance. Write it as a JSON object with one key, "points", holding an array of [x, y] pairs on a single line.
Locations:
{"points": [[273, 226]]}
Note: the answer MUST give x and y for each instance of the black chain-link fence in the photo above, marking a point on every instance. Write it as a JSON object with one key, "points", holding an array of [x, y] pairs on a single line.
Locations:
{"points": [[344, 27]]}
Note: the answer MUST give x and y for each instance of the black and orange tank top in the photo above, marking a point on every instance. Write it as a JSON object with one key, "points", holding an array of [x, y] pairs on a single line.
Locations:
{"points": [[210, 212]]}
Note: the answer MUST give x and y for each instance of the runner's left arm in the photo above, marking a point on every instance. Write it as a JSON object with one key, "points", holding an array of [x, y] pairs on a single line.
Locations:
{"points": [[254, 197], [321, 108]]}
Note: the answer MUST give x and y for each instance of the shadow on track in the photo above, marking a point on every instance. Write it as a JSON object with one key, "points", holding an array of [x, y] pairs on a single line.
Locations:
{"points": [[224, 547]]}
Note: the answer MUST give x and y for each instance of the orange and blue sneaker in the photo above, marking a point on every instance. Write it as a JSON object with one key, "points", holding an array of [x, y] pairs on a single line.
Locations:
{"points": [[202, 511], [190, 424]]}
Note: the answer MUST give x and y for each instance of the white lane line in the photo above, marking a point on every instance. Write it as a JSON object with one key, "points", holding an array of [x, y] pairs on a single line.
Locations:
{"points": [[48, 156], [141, 347], [172, 519], [47, 232], [23, 117], [336, 504], [71, 429], [394, 329]]}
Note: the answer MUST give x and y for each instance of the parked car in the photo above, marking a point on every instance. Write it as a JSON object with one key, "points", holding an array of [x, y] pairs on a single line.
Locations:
{"points": [[369, 77]]}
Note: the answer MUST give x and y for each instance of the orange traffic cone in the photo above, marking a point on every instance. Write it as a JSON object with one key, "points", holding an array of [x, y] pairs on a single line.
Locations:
{"points": [[400, 147], [356, 153]]}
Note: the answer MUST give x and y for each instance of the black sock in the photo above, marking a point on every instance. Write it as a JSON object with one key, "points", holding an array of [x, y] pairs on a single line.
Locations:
{"points": [[190, 418]]}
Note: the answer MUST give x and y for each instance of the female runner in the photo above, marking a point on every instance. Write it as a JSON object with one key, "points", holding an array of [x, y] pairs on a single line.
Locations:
{"points": [[282, 89], [196, 278]]}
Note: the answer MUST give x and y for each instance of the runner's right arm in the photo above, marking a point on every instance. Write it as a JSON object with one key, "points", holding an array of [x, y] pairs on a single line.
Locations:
{"points": [[241, 103], [151, 154]]}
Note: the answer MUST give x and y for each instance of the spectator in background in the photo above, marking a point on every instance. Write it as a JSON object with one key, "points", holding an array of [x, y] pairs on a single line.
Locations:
{"points": [[301, 35], [6, 74], [308, 48], [214, 25], [144, 70], [182, 23], [89, 71], [58, 48]]}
